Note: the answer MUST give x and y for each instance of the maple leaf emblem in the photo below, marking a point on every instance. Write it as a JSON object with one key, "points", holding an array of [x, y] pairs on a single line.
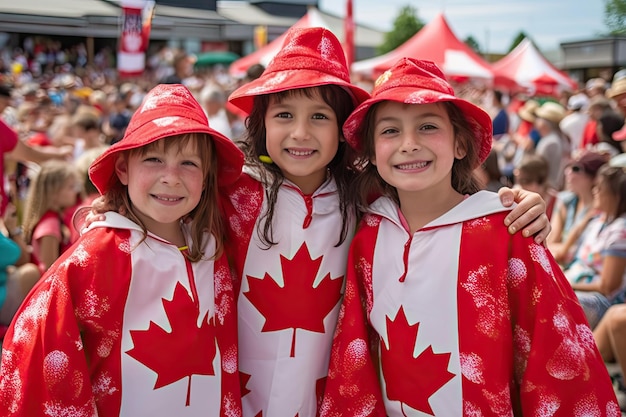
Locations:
{"points": [[181, 312], [412, 381], [297, 304]]}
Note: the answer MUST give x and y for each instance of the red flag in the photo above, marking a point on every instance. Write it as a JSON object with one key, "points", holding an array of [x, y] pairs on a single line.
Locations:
{"points": [[131, 49], [349, 34]]}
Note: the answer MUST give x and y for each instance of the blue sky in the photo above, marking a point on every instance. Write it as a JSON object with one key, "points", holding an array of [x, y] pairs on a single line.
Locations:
{"points": [[493, 23]]}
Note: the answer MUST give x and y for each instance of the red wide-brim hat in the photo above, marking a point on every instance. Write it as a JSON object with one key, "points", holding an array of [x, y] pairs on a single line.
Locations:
{"points": [[167, 110], [413, 81], [310, 57]]}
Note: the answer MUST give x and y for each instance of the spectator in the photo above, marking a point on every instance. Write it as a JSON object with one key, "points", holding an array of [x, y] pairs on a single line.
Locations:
{"points": [[573, 205], [17, 274], [598, 272], [213, 102], [501, 119], [489, 174], [54, 189], [598, 106], [532, 175], [183, 68], [573, 124], [608, 124], [553, 146]]}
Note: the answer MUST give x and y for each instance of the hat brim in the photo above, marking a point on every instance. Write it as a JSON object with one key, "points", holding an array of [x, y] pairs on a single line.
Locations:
{"points": [[479, 121], [278, 81], [229, 156]]}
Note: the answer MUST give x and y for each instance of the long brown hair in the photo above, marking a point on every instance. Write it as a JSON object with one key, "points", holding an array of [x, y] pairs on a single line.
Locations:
{"points": [[341, 167], [204, 217], [51, 178], [614, 178], [370, 184]]}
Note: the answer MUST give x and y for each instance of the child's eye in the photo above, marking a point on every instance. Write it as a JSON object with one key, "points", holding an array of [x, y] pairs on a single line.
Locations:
{"points": [[428, 126], [190, 163], [284, 115], [319, 116], [389, 131], [152, 159]]}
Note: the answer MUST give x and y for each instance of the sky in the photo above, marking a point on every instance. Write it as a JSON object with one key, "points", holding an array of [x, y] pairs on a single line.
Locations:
{"points": [[494, 24]]}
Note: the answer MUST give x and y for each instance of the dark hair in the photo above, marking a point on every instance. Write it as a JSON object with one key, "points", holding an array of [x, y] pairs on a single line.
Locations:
{"points": [[370, 183], [204, 217], [341, 167], [615, 180]]}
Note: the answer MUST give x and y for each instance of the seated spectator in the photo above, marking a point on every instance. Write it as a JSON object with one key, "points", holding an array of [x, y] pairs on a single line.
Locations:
{"points": [[17, 274], [573, 204], [52, 191], [532, 175], [598, 272]]}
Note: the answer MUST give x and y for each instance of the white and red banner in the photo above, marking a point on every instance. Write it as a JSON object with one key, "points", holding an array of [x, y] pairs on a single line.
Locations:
{"points": [[134, 36]]}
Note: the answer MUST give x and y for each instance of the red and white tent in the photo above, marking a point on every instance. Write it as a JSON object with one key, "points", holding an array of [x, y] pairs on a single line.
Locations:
{"points": [[524, 68], [265, 54], [434, 42]]}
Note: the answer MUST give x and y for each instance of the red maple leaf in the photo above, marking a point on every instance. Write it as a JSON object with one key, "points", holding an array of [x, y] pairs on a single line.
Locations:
{"points": [[148, 345], [297, 304], [411, 380]]}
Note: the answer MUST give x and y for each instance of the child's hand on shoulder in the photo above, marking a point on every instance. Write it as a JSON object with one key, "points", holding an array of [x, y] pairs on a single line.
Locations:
{"points": [[529, 215]]}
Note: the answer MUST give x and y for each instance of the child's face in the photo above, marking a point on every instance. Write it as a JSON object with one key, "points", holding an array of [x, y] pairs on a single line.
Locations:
{"points": [[415, 146], [163, 185], [68, 194], [302, 137]]}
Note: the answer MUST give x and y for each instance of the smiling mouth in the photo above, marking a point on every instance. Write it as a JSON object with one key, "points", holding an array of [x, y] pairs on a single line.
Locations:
{"points": [[300, 153], [414, 165], [169, 199]]}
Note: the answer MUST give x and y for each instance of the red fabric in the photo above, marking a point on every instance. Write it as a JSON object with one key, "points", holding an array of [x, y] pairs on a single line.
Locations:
{"points": [[434, 42], [524, 345], [39, 139], [167, 110], [590, 134], [265, 54], [349, 34], [8, 141], [310, 57], [524, 68], [76, 336], [288, 294], [414, 81]]}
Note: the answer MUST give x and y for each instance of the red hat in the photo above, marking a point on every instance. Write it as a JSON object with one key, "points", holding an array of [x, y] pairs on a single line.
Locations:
{"points": [[310, 57], [167, 110], [414, 81]]}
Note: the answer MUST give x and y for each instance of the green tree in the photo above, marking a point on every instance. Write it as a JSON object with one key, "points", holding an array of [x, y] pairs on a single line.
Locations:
{"points": [[615, 16], [519, 38], [405, 26], [473, 43]]}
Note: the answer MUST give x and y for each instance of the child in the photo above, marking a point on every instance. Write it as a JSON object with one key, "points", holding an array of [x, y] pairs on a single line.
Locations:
{"points": [[54, 189], [456, 315], [291, 220], [139, 318], [532, 175]]}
